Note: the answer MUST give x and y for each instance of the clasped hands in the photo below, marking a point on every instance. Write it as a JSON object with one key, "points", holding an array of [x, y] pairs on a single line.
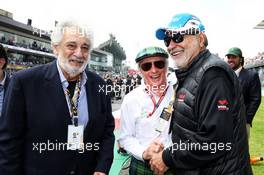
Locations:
{"points": [[154, 154]]}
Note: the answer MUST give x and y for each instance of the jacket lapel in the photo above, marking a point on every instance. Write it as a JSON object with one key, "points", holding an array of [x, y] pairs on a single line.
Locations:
{"points": [[6, 82], [241, 74], [92, 101], [57, 97], [55, 93]]}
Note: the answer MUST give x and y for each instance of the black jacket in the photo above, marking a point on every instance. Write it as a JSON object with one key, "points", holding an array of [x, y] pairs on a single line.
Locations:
{"points": [[6, 81], [251, 88], [208, 124], [36, 113]]}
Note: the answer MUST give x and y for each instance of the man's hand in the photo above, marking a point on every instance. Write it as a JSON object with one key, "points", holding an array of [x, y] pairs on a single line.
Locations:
{"points": [[99, 173], [157, 165], [155, 147]]}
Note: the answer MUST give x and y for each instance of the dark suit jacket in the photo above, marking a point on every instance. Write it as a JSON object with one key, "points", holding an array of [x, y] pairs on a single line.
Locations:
{"points": [[6, 81], [36, 114], [251, 88]]}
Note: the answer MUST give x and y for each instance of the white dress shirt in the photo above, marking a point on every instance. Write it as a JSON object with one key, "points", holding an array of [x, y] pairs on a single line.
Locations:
{"points": [[238, 71], [137, 130]]}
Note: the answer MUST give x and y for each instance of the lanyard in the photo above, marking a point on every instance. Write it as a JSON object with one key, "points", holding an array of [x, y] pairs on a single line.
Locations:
{"points": [[170, 106], [166, 114], [74, 102], [156, 105]]}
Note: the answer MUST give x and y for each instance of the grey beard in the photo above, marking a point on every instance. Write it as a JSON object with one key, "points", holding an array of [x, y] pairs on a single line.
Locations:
{"points": [[72, 71]]}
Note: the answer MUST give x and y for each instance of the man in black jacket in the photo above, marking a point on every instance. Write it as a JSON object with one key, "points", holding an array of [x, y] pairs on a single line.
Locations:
{"points": [[249, 80], [208, 122]]}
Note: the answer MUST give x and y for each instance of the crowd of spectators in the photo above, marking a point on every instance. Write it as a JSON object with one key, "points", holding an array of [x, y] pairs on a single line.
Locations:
{"points": [[258, 59], [118, 86], [23, 61], [32, 62], [34, 45], [16, 63]]}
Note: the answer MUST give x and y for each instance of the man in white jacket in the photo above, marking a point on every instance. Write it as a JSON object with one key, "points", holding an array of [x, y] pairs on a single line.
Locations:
{"points": [[145, 111]]}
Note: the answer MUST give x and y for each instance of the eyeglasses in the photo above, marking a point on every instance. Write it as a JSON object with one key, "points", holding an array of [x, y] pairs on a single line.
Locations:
{"points": [[147, 66], [178, 37]]}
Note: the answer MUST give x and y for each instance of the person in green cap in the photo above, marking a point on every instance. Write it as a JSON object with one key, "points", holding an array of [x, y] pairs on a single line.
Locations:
{"points": [[250, 83], [145, 111]]}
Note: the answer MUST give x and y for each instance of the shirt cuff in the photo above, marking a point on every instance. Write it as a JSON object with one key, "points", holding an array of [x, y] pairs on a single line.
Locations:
{"points": [[138, 153], [167, 158]]}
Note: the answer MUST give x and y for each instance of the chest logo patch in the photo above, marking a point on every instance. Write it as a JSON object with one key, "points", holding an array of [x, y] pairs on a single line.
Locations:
{"points": [[181, 97], [222, 105]]}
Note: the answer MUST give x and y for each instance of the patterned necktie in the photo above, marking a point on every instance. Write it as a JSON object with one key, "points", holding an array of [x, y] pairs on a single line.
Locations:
{"points": [[71, 88]]}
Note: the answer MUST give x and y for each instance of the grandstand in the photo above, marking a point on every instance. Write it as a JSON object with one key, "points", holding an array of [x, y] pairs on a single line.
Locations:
{"points": [[28, 46], [117, 50]]}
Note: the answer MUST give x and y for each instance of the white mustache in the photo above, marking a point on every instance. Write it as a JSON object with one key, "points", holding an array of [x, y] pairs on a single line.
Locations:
{"points": [[171, 52], [175, 50], [77, 59]]}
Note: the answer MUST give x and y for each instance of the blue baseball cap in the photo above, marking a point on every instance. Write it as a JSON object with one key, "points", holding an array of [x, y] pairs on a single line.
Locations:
{"points": [[181, 22]]}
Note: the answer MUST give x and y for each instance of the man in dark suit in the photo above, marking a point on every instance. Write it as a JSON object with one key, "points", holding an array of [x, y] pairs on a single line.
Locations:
{"points": [[250, 83], [4, 78], [56, 120]]}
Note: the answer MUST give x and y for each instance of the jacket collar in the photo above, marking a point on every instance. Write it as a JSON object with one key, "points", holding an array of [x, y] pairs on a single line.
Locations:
{"points": [[181, 74]]}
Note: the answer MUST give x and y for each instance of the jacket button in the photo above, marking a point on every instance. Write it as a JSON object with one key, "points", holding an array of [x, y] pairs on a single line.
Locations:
{"points": [[71, 172]]}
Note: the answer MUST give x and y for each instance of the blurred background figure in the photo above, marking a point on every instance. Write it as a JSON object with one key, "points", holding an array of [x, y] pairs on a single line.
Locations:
{"points": [[250, 83], [4, 77]]}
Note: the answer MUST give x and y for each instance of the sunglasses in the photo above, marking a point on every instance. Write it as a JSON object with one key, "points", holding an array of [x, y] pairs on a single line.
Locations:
{"points": [[147, 66], [179, 36]]}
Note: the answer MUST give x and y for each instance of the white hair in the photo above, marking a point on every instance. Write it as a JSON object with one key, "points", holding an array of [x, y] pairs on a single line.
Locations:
{"points": [[57, 33]]}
